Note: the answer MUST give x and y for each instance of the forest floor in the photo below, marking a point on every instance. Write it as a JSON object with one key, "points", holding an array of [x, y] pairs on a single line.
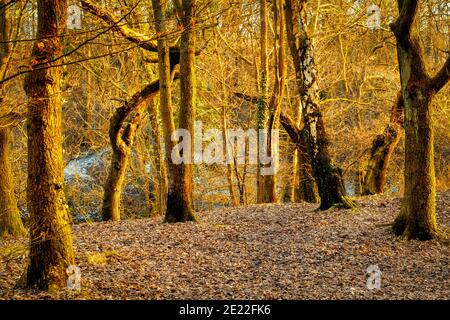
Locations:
{"points": [[280, 251]]}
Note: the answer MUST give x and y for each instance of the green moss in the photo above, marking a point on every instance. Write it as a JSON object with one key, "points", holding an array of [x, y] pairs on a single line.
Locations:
{"points": [[13, 251], [346, 203], [100, 258]]}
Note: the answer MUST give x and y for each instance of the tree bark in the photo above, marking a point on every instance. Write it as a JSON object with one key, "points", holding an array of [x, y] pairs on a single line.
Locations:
{"points": [[121, 136], [417, 218], [10, 222], [306, 189], [292, 181], [51, 250], [327, 175], [382, 148], [180, 202], [270, 185], [5, 45], [160, 166], [262, 98]]}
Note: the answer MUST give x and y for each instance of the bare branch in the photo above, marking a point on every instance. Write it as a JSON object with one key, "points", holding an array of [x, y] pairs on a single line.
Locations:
{"points": [[441, 78], [141, 40]]}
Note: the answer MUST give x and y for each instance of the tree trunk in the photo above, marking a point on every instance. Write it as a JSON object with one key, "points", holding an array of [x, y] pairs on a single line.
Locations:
{"points": [[270, 185], [165, 103], [121, 135], [301, 187], [292, 181], [179, 202], [225, 103], [51, 250], [5, 45], [417, 219], [160, 167], [382, 148], [10, 223], [327, 175], [262, 99], [112, 190], [234, 199]]}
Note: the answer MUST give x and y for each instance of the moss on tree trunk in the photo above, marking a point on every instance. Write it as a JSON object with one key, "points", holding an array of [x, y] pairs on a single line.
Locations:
{"points": [[122, 131], [10, 222], [417, 218], [179, 199], [377, 165]]}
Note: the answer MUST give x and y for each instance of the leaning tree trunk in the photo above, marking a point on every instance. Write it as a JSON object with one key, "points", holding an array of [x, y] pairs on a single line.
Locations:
{"points": [[180, 202], [121, 136], [417, 218], [121, 144], [382, 148], [328, 176], [51, 250], [10, 223]]}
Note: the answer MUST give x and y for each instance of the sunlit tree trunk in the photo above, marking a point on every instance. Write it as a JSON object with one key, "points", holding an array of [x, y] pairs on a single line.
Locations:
{"points": [[262, 98], [10, 222], [51, 250], [270, 185], [327, 175], [180, 205], [417, 219], [291, 181], [165, 105], [160, 166]]}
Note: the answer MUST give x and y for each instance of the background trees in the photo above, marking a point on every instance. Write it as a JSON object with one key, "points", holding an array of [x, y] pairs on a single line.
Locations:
{"points": [[358, 86], [335, 87]]}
